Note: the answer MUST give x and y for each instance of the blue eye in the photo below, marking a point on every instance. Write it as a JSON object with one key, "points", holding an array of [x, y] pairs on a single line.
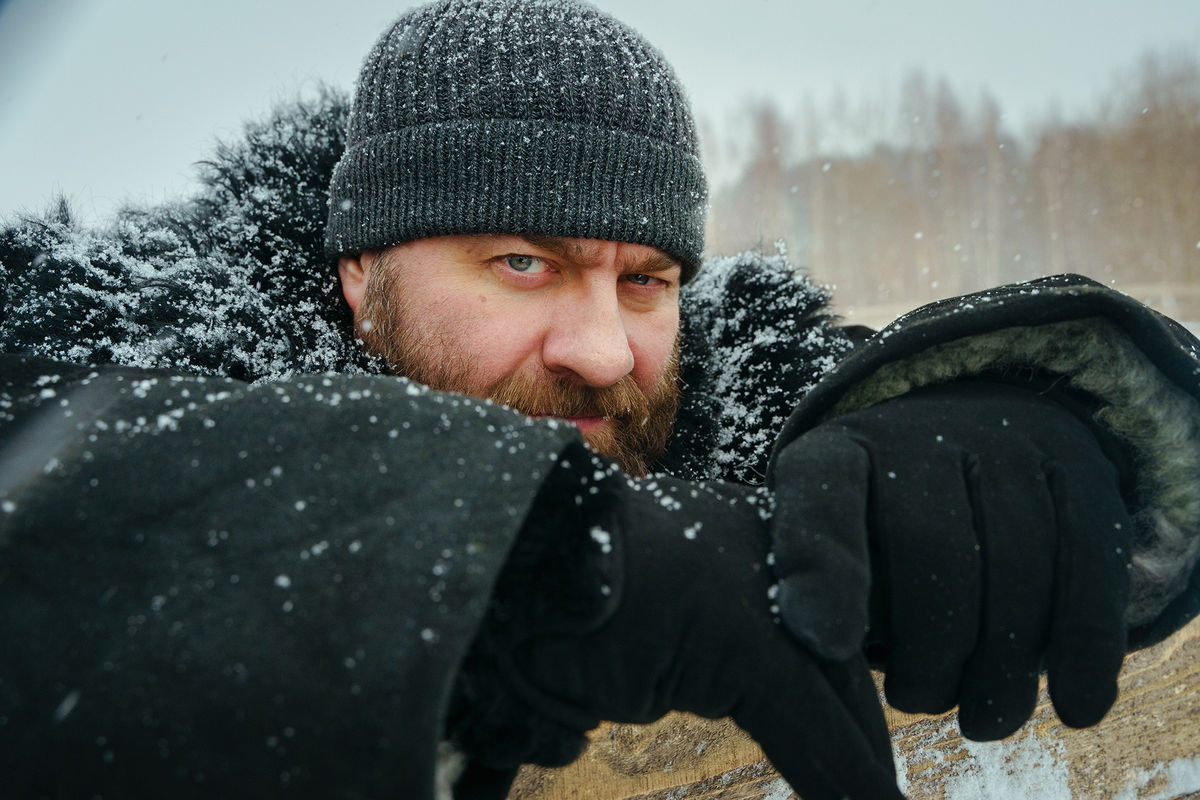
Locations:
{"points": [[639, 278], [526, 264]]}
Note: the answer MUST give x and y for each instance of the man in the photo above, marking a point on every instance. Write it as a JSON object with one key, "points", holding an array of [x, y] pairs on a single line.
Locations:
{"points": [[305, 584]]}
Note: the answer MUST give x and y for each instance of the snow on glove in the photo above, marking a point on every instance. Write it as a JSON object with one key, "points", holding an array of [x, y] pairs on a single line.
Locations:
{"points": [[683, 623], [986, 526]]}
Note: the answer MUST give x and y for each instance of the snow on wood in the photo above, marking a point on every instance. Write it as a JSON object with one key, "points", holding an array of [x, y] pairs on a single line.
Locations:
{"points": [[1145, 749]]}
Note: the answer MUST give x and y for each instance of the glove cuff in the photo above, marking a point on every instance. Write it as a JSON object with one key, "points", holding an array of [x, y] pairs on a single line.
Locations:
{"points": [[1154, 417]]}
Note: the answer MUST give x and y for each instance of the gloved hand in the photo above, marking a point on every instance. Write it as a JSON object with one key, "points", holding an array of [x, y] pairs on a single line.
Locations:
{"points": [[986, 526], [660, 603]]}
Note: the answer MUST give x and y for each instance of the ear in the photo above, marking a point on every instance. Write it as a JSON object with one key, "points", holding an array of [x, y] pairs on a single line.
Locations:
{"points": [[353, 271]]}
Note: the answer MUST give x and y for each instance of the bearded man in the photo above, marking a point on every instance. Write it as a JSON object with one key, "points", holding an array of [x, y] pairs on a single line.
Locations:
{"points": [[269, 529]]}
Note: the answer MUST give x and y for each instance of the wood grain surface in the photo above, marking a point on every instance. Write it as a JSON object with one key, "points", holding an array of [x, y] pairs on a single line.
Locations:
{"points": [[1145, 749]]}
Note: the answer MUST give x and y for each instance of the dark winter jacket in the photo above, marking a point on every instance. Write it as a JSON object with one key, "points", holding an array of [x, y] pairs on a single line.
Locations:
{"points": [[184, 386]]}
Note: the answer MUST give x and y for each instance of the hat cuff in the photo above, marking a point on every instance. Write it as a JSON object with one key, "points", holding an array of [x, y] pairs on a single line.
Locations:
{"points": [[517, 177]]}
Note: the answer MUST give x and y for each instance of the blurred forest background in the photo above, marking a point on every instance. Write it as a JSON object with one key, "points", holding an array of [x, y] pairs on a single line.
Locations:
{"points": [[899, 200]]}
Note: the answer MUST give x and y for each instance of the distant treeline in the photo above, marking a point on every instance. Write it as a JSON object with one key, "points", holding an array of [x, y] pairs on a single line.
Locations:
{"points": [[935, 198]]}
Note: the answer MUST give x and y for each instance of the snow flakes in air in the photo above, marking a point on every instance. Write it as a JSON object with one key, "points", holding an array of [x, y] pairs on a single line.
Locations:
{"points": [[602, 538], [668, 502], [773, 597], [66, 706], [317, 549], [283, 581]]}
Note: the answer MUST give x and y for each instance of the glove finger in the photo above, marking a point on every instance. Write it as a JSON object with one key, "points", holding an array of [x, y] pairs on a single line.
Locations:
{"points": [[825, 745], [1088, 638], [930, 574], [819, 538], [1018, 541]]}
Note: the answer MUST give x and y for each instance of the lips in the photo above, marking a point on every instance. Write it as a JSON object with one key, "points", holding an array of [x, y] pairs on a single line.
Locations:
{"points": [[587, 425]]}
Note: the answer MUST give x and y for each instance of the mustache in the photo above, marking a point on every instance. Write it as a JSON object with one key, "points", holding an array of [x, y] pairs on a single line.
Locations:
{"points": [[558, 396]]}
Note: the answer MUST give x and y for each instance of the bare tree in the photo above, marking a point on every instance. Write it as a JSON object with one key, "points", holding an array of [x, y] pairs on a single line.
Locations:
{"points": [[947, 201]]}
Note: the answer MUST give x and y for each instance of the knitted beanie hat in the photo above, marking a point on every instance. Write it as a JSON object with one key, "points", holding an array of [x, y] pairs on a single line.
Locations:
{"points": [[518, 116]]}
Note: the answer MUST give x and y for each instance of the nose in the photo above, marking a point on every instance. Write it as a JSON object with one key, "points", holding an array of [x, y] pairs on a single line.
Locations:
{"points": [[587, 338]]}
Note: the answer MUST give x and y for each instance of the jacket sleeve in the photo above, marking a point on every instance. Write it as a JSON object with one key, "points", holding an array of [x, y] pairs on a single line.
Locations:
{"points": [[1139, 370], [210, 588]]}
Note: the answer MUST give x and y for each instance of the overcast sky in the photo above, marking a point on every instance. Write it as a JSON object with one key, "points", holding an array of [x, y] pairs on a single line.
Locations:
{"points": [[112, 100]]}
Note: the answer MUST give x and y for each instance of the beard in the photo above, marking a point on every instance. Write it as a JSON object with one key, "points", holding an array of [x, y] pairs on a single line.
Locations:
{"points": [[638, 424]]}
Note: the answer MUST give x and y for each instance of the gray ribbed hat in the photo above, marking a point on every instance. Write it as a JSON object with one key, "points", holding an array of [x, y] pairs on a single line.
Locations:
{"points": [[518, 116]]}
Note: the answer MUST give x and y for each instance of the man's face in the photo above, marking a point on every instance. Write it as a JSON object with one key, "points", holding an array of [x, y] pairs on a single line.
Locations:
{"points": [[579, 329]]}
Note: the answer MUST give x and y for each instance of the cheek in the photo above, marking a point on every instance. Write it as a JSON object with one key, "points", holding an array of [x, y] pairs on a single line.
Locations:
{"points": [[495, 339], [652, 342]]}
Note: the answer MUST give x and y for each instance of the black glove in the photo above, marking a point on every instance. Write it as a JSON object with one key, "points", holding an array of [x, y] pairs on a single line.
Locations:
{"points": [[658, 602], [987, 525]]}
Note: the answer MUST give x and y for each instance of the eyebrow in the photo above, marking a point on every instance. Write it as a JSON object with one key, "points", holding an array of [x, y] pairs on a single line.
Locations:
{"points": [[659, 262], [561, 246], [575, 251]]}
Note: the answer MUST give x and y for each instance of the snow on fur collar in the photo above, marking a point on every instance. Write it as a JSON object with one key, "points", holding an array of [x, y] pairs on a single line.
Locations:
{"points": [[233, 283]]}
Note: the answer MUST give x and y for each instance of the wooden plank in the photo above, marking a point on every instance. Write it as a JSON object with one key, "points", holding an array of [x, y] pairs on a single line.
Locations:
{"points": [[1145, 749]]}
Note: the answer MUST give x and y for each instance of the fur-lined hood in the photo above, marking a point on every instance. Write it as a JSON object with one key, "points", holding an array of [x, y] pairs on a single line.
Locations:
{"points": [[232, 282]]}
